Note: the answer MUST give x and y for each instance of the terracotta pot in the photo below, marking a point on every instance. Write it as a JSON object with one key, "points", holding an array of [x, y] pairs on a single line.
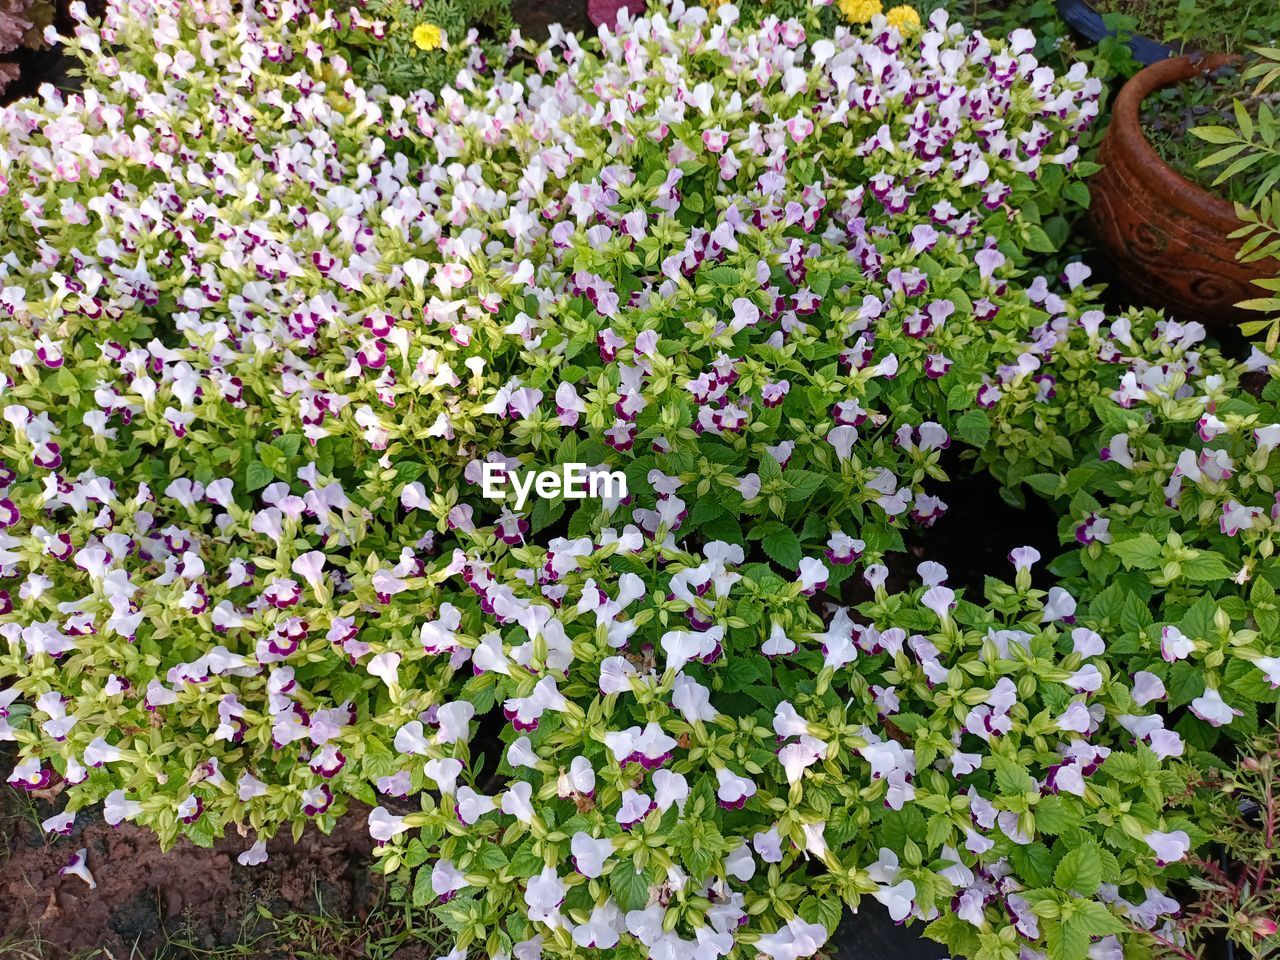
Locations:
{"points": [[1166, 237]]}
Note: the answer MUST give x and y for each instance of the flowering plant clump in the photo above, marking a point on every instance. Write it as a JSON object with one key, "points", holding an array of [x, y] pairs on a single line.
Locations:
{"points": [[267, 329], [1047, 400], [634, 330], [1160, 455], [1171, 512], [408, 47]]}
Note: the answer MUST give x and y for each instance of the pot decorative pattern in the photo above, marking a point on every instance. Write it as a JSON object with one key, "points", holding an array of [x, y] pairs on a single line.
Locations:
{"points": [[1167, 238]]}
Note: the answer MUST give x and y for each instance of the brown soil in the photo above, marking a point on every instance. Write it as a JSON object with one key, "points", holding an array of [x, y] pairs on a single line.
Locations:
{"points": [[147, 901]]}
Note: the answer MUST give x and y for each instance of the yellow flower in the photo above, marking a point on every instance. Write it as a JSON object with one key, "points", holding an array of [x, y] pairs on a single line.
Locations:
{"points": [[859, 11], [427, 36], [904, 18]]}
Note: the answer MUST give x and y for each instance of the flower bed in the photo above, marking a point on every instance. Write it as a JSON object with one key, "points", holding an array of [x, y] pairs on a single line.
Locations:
{"points": [[268, 330]]}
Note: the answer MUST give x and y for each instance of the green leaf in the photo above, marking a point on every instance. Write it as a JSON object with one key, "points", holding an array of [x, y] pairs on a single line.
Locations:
{"points": [[1205, 567], [422, 891], [721, 276], [1065, 941], [1039, 241], [1077, 193], [783, 547], [629, 886], [1186, 682], [257, 475], [959, 935], [1012, 778], [1143, 551], [1034, 863], [545, 513], [489, 857], [273, 457], [939, 831], [974, 428], [1080, 871], [826, 911], [1093, 919], [1054, 814], [1214, 134], [288, 444], [416, 853], [803, 484]]}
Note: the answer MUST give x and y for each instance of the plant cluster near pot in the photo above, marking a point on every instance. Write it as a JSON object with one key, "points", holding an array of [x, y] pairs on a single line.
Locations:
{"points": [[1170, 118], [1210, 26], [267, 328]]}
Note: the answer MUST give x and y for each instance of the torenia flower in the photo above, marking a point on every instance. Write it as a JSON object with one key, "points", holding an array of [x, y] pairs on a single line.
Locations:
{"points": [[59, 823], [733, 790], [1168, 847], [1212, 709], [255, 855], [117, 808], [859, 11], [30, 774], [384, 825], [940, 600], [898, 899], [778, 644], [590, 854], [78, 866], [427, 36], [310, 566], [385, 666], [543, 896], [796, 940], [1270, 667], [445, 773], [904, 18], [446, 880], [813, 576], [669, 788], [1175, 645]]}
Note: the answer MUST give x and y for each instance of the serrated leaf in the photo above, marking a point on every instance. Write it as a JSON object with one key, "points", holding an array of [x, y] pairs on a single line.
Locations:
{"points": [[974, 428], [1080, 871], [422, 891], [257, 475], [1064, 941], [1093, 919], [1034, 863], [629, 886], [1011, 778], [1054, 814], [802, 484], [1205, 567], [783, 547], [1039, 241], [1143, 552]]}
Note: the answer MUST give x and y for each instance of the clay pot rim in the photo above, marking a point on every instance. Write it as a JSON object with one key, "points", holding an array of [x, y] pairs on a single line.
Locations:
{"points": [[1126, 128]]}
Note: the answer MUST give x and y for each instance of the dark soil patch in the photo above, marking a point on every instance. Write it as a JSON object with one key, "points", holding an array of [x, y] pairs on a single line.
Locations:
{"points": [[974, 537], [147, 900], [536, 16]]}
